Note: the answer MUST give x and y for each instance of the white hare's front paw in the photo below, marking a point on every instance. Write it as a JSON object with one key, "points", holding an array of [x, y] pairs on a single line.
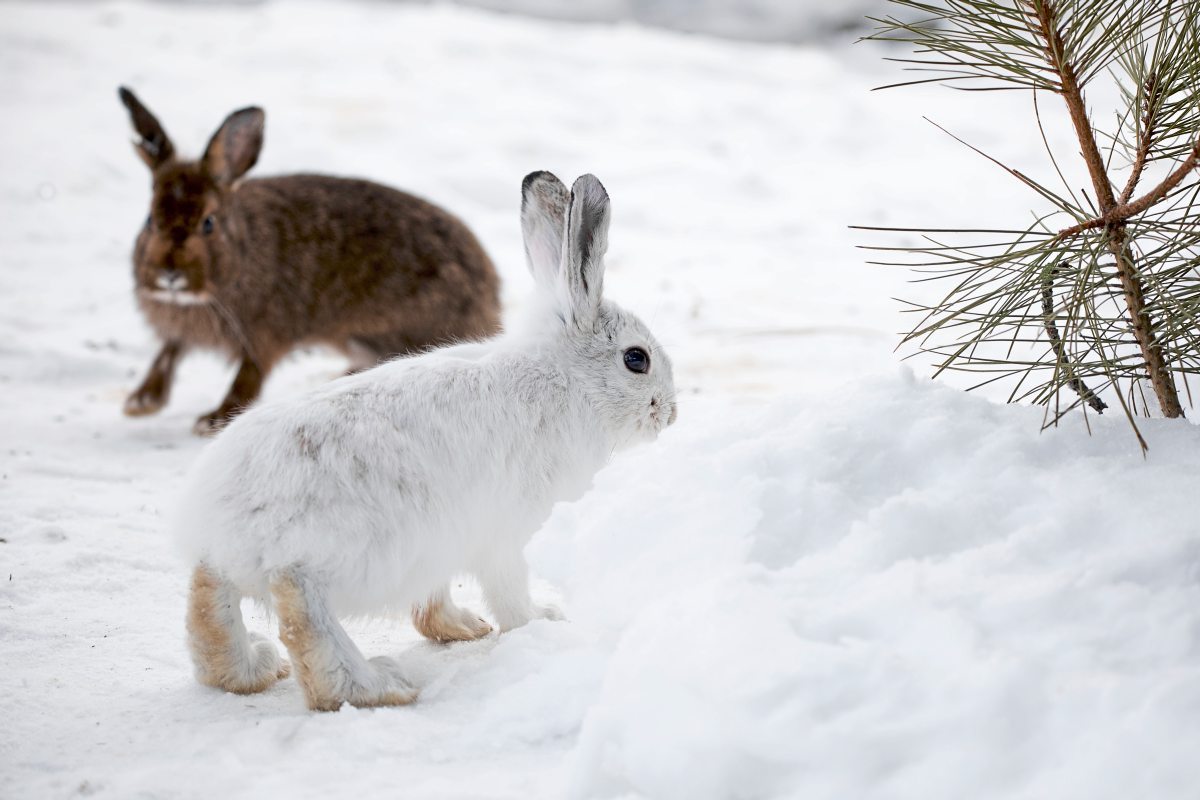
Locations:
{"points": [[550, 612], [532, 612]]}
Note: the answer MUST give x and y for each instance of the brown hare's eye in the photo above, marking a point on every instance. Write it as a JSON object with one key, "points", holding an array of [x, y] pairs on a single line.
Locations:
{"points": [[637, 360], [207, 225]]}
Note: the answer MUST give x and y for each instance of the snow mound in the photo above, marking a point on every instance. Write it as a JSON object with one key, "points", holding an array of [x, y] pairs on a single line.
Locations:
{"points": [[900, 591]]}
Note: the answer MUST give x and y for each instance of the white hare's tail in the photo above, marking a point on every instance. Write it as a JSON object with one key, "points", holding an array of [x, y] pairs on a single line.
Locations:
{"points": [[225, 655]]}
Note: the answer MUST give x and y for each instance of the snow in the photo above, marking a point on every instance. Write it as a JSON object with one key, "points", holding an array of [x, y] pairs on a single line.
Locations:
{"points": [[831, 578]]}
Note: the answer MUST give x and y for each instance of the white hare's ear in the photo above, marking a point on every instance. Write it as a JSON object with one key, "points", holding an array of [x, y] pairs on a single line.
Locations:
{"points": [[583, 251], [544, 203]]}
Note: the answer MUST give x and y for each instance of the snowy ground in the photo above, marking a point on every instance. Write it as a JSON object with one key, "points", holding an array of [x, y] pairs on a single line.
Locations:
{"points": [[831, 579]]}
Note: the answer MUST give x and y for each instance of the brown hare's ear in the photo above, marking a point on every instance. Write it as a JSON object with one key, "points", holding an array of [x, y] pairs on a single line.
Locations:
{"points": [[154, 147], [234, 148]]}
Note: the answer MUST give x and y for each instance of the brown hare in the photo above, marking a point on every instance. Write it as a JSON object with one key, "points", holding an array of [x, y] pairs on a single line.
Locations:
{"points": [[256, 268]]}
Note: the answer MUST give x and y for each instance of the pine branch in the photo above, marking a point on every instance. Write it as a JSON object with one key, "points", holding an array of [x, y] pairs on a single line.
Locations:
{"points": [[1046, 14]]}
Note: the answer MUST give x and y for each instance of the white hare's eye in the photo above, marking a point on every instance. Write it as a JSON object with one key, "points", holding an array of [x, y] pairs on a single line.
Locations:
{"points": [[637, 360], [207, 225]]}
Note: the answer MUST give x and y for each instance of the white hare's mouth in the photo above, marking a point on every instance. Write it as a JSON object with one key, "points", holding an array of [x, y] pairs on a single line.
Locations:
{"points": [[175, 297], [660, 417]]}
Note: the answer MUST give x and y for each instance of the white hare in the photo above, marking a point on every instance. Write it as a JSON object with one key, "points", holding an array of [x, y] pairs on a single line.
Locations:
{"points": [[370, 493]]}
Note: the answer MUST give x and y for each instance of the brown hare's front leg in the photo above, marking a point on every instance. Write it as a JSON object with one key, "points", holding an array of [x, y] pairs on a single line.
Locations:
{"points": [[330, 668], [246, 385], [442, 621], [152, 395]]}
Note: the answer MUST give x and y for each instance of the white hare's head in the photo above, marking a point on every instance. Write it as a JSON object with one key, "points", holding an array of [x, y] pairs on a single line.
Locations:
{"points": [[622, 367]]}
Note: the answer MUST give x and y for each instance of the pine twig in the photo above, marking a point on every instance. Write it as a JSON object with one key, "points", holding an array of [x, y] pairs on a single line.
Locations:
{"points": [[1123, 211], [1145, 137], [1060, 350]]}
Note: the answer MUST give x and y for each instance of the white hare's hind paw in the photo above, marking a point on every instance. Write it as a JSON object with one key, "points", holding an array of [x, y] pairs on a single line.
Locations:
{"points": [[378, 682], [265, 667], [225, 657], [267, 662], [443, 622], [257, 670], [390, 687]]}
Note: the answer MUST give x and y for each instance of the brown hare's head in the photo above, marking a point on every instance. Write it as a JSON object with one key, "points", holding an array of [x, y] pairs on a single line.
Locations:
{"points": [[182, 247]]}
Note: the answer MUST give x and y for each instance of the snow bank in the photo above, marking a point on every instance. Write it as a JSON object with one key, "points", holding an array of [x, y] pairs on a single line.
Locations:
{"points": [[898, 592]]}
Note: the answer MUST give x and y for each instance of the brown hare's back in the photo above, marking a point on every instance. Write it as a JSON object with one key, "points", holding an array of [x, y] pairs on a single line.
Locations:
{"points": [[354, 260]]}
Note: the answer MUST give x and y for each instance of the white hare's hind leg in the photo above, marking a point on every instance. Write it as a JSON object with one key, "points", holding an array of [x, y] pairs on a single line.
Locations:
{"points": [[225, 655], [442, 621], [329, 667]]}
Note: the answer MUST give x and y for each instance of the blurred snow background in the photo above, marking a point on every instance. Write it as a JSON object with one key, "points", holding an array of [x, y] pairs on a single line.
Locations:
{"points": [[811, 21], [754, 20], [830, 579]]}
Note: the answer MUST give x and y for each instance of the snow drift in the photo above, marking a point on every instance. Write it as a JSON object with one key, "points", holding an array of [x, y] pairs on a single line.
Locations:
{"points": [[897, 592]]}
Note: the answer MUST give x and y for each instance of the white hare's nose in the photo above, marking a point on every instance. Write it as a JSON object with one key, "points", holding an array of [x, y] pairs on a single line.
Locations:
{"points": [[658, 405], [172, 280]]}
